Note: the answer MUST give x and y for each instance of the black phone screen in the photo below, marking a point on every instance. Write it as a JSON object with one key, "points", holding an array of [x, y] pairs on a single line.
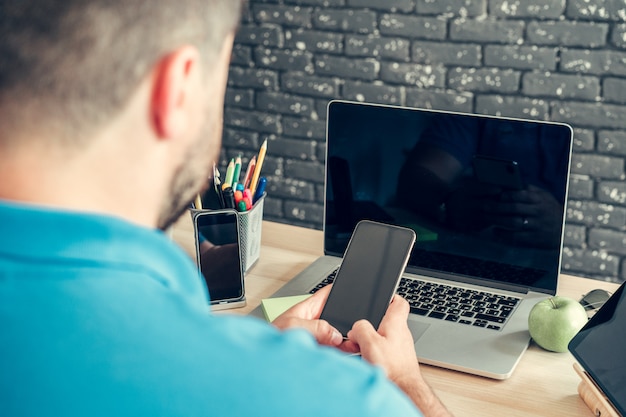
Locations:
{"points": [[369, 274], [218, 256]]}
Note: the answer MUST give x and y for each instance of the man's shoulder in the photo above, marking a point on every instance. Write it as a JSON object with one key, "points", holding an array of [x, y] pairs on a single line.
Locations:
{"points": [[58, 245]]}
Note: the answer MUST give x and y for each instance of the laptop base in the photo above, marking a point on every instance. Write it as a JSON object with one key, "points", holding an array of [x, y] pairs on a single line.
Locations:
{"points": [[480, 353]]}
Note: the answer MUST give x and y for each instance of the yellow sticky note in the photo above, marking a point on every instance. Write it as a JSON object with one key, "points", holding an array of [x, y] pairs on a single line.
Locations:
{"points": [[274, 307]]}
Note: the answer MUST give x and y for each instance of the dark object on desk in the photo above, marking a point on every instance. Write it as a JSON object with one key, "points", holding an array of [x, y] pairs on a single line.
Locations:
{"points": [[218, 254], [212, 198], [595, 299], [599, 348]]}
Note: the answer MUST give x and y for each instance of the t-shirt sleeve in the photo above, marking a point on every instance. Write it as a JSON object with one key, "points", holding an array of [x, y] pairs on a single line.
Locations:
{"points": [[295, 376]]}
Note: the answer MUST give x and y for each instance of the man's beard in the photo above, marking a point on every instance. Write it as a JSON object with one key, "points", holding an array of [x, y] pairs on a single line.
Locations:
{"points": [[181, 195], [192, 175]]}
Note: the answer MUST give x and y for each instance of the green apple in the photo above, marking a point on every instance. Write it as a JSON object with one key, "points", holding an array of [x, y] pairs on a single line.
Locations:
{"points": [[553, 322]]}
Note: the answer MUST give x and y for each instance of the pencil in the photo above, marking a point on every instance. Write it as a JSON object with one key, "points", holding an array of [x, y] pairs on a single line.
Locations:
{"points": [[249, 172], [198, 202], [257, 168], [236, 172], [217, 186], [230, 170]]}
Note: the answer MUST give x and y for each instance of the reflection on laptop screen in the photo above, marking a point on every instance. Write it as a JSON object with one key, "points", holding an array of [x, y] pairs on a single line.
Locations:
{"points": [[486, 196]]}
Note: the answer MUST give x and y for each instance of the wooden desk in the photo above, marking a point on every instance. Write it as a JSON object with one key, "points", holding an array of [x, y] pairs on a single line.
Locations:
{"points": [[544, 383]]}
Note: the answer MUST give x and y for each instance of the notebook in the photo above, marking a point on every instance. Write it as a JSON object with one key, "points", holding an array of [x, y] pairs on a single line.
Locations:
{"points": [[487, 199], [599, 348]]}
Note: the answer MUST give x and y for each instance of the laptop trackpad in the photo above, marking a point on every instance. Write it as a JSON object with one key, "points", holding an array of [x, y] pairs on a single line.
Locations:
{"points": [[417, 328]]}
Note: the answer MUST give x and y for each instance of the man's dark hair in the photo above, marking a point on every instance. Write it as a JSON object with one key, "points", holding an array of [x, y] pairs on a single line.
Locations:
{"points": [[74, 63]]}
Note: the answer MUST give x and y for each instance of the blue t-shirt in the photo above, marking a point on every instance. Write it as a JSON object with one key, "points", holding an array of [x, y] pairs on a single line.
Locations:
{"points": [[100, 317]]}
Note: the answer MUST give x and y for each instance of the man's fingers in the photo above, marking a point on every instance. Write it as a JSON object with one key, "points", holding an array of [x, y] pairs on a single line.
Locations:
{"points": [[316, 302], [398, 309], [362, 333], [321, 330], [324, 333], [349, 346], [311, 308], [396, 316]]}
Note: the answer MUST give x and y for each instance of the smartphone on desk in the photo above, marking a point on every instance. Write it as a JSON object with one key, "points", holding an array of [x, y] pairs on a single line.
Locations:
{"points": [[368, 276], [218, 255]]}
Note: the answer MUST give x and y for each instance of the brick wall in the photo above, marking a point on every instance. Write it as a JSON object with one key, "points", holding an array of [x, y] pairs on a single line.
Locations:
{"points": [[546, 59]]}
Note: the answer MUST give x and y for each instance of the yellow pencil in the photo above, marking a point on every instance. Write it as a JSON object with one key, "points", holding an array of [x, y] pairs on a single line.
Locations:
{"points": [[198, 202], [257, 168]]}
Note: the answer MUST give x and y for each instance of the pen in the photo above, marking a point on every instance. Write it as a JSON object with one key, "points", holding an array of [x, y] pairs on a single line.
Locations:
{"points": [[238, 197], [247, 198], [217, 185], [260, 189], [216, 172], [257, 168], [229, 197]]}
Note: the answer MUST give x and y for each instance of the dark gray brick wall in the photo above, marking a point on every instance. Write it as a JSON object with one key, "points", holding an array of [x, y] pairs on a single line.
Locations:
{"points": [[559, 60]]}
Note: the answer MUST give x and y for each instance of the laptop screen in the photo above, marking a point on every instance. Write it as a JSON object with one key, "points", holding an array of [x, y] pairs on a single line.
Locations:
{"points": [[599, 349], [485, 195]]}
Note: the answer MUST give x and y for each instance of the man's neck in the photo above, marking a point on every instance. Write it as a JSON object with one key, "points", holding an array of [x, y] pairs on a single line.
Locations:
{"points": [[80, 182]]}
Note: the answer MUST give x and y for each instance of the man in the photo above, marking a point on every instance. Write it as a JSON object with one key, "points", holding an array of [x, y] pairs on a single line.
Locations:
{"points": [[110, 113]]}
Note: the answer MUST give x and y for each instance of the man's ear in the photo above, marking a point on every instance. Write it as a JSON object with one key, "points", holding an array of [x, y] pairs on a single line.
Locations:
{"points": [[174, 84]]}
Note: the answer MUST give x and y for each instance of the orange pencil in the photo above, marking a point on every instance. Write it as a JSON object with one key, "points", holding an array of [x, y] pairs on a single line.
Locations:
{"points": [[257, 168]]}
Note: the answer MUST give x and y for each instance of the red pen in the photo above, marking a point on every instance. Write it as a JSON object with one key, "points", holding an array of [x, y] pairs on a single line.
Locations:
{"points": [[247, 197]]}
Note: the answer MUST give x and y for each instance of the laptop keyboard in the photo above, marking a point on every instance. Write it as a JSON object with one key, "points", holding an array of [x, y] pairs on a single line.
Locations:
{"points": [[454, 304]]}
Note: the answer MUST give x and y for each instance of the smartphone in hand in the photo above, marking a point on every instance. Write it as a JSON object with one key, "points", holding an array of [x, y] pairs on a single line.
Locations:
{"points": [[369, 274]]}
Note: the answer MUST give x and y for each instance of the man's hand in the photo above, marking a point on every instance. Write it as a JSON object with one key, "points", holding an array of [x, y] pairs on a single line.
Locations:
{"points": [[306, 315], [392, 348]]}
